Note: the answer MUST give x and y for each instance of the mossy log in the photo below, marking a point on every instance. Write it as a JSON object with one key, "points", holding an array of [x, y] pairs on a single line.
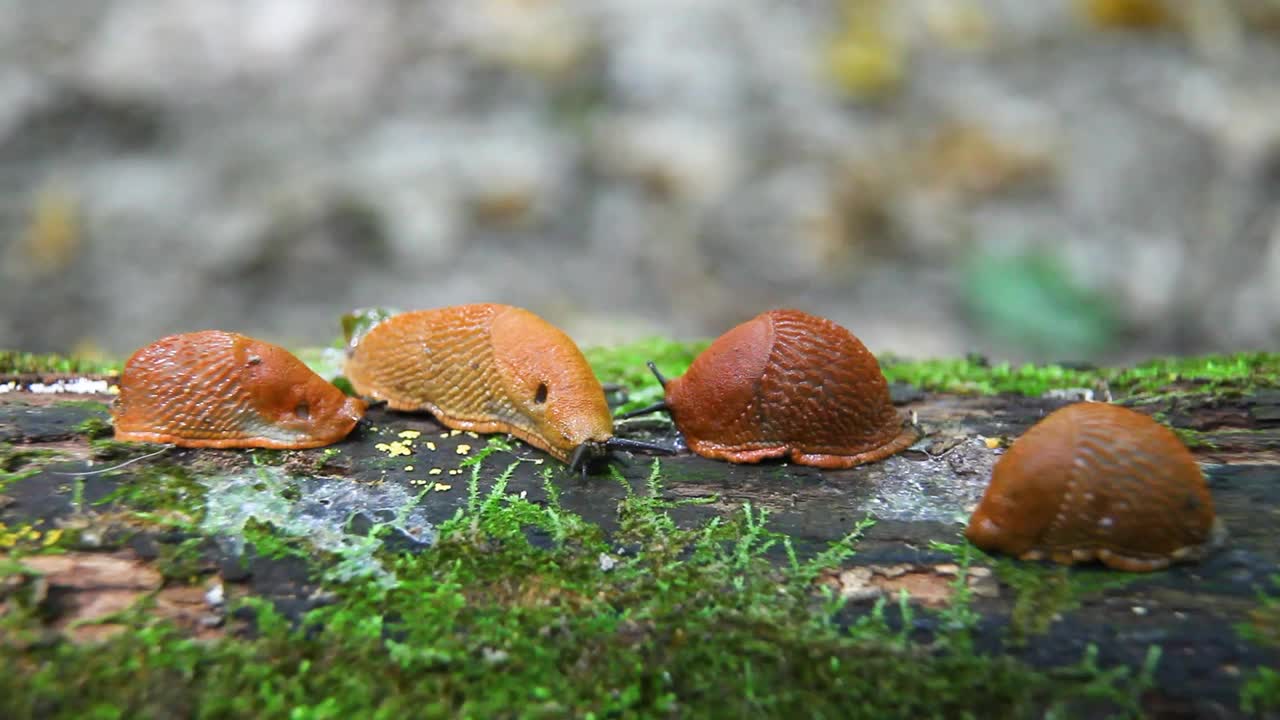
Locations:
{"points": [[404, 475]]}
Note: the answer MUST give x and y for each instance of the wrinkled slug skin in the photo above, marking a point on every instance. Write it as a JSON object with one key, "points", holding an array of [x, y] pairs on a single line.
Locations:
{"points": [[223, 390], [479, 367], [788, 383], [1096, 481]]}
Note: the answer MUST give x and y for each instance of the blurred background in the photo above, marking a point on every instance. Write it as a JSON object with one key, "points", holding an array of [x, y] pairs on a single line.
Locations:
{"points": [[1054, 180]]}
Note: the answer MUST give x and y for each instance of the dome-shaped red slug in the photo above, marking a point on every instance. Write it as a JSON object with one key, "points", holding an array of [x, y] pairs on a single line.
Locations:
{"points": [[787, 383], [489, 368], [1096, 481], [223, 390]]}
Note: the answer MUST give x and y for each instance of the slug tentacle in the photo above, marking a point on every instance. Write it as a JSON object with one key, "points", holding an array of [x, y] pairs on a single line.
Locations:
{"points": [[653, 368], [661, 405], [617, 443]]}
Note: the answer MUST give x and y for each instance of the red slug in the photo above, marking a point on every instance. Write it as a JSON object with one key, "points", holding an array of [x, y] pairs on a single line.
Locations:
{"points": [[786, 383], [1096, 481], [222, 390], [493, 369]]}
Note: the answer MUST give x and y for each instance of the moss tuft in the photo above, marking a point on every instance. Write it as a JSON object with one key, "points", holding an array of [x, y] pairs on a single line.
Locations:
{"points": [[23, 363]]}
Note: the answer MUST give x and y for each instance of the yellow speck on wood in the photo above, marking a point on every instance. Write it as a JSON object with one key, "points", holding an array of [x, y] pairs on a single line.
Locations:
{"points": [[992, 443], [455, 472], [431, 445], [441, 487], [408, 468], [409, 434], [394, 448], [471, 434], [454, 433], [463, 449], [434, 471]]}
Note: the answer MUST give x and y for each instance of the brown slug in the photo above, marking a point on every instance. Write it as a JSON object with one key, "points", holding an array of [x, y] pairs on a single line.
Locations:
{"points": [[786, 383], [1096, 481], [493, 369], [218, 389]]}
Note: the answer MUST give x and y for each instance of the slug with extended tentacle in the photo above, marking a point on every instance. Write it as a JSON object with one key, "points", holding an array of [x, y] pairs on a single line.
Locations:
{"points": [[494, 369], [786, 384]]}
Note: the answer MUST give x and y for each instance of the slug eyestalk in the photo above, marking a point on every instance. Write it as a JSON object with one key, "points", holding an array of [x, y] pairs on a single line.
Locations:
{"points": [[659, 406]]}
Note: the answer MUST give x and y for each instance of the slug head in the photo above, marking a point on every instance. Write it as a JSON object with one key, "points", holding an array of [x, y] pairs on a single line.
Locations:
{"points": [[713, 398], [1024, 495], [593, 452], [291, 399], [548, 382]]}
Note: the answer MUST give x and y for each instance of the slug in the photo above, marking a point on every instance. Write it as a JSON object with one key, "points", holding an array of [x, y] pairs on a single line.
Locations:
{"points": [[216, 389], [492, 369], [1097, 481], [786, 383]]}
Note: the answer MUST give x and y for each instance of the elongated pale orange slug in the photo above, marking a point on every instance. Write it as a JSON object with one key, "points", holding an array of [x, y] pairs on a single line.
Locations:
{"points": [[786, 383], [492, 369], [223, 390]]}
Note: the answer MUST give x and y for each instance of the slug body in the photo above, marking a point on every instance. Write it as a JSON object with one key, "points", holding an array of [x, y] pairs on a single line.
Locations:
{"points": [[787, 383], [488, 368], [219, 389], [1096, 481]]}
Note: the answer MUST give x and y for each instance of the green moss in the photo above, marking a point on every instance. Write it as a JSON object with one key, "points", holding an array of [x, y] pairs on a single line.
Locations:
{"points": [[18, 462], [12, 362], [269, 457], [183, 562], [1042, 592], [1213, 373], [1261, 692], [105, 448], [1264, 622], [1193, 439], [162, 493], [691, 622], [95, 427], [625, 365], [268, 541]]}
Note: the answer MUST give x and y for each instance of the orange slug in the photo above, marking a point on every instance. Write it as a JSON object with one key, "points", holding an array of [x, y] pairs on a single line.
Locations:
{"points": [[786, 383], [218, 389], [1096, 481], [492, 369]]}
